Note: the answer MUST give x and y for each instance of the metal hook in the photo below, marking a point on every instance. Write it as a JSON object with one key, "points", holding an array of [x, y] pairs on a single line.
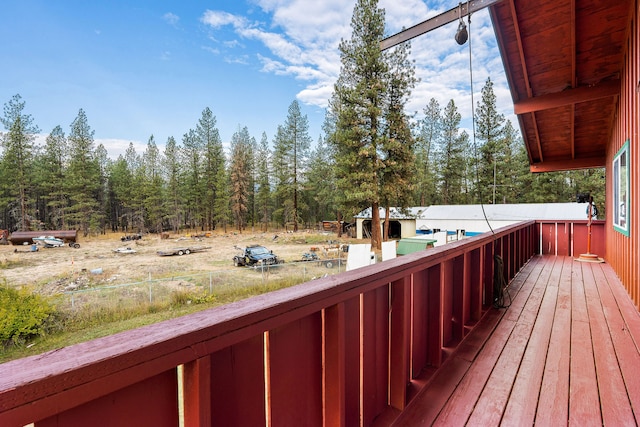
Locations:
{"points": [[461, 34]]}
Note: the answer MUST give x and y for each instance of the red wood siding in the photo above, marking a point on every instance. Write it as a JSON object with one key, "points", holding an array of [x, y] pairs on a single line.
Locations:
{"points": [[569, 238], [624, 251]]}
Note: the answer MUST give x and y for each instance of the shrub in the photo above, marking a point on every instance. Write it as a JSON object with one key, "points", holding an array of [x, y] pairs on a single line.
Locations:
{"points": [[22, 315]]}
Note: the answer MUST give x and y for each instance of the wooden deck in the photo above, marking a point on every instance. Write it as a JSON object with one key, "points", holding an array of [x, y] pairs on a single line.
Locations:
{"points": [[564, 352]]}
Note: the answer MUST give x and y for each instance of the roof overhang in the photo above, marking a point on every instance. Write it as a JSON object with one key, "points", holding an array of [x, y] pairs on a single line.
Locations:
{"points": [[563, 60]]}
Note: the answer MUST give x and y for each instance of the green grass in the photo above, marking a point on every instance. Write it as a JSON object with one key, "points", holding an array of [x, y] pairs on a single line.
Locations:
{"points": [[94, 319]]}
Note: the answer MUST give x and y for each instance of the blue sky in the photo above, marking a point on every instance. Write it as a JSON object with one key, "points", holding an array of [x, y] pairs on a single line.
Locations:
{"points": [[141, 68]]}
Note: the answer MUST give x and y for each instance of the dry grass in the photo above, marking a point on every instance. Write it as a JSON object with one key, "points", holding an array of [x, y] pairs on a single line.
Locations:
{"points": [[99, 292]]}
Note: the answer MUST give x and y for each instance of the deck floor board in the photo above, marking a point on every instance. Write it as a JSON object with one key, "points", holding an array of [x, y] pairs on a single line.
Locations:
{"points": [[564, 353]]}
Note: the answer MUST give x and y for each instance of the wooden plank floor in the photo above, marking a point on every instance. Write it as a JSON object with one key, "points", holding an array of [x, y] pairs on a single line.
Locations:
{"points": [[565, 352]]}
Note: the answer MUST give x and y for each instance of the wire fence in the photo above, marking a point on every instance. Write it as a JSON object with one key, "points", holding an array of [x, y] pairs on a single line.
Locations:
{"points": [[184, 288]]}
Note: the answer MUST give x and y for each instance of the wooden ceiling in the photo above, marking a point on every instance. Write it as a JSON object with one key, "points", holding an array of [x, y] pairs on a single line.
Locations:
{"points": [[563, 60]]}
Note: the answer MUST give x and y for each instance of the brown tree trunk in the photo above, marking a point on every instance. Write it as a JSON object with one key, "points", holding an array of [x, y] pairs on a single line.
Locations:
{"points": [[385, 234], [376, 238]]}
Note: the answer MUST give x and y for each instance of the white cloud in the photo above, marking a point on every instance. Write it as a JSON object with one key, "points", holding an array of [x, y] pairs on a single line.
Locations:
{"points": [[302, 41], [171, 19], [217, 19], [115, 147]]}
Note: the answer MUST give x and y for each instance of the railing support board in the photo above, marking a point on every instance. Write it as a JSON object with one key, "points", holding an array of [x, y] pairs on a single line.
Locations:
{"points": [[400, 342]]}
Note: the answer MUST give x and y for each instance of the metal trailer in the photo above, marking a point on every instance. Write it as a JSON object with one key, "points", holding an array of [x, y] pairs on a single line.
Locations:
{"points": [[183, 250]]}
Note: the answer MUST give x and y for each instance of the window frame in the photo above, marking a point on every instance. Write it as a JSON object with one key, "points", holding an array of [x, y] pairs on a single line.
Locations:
{"points": [[621, 181]]}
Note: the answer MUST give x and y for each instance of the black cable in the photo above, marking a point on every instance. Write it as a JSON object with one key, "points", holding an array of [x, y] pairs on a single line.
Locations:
{"points": [[500, 285]]}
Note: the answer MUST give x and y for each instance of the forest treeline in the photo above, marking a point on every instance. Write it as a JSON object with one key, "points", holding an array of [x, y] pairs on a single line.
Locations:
{"points": [[371, 154], [71, 183]]}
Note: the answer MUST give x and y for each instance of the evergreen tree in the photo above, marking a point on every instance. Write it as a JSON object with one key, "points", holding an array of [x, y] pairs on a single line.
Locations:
{"points": [[263, 194], [193, 187], [489, 132], [452, 156], [591, 181], [357, 105], [153, 189], [53, 162], [292, 149], [209, 137], [506, 192], [222, 206], [17, 157], [251, 199], [83, 177], [172, 172], [135, 199], [103, 161], [240, 176], [282, 197], [397, 178], [320, 184], [119, 178], [430, 132]]}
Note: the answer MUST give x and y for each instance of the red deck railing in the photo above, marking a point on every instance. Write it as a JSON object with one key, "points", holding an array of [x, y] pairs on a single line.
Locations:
{"points": [[344, 349]]}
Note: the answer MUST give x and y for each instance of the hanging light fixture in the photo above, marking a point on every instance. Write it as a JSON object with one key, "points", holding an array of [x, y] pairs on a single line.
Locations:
{"points": [[461, 34]]}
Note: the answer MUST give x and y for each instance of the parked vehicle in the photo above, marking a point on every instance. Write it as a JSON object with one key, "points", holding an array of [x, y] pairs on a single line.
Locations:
{"points": [[255, 255], [53, 242]]}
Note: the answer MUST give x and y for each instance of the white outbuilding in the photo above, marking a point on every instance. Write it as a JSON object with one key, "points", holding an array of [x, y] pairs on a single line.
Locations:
{"points": [[466, 219]]}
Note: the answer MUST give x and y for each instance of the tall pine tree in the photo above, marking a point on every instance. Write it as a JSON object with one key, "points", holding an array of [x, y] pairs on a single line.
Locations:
{"points": [[17, 158], [83, 177], [489, 133], [240, 176], [429, 134], [209, 137], [358, 106], [397, 177], [452, 156], [263, 194]]}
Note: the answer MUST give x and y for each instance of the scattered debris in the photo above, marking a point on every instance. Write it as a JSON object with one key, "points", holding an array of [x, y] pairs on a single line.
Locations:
{"points": [[310, 256], [32, 248], [124, 250], [201, 235]]}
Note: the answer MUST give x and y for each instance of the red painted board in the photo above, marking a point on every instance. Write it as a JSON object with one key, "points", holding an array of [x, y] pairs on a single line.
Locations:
{"points": [[152, 402], [375, 353], [237, 384], [295, 364], [614, 400]]}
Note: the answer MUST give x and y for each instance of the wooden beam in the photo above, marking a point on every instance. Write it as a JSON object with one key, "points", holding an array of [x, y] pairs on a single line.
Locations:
{"points": [[568, 97], [569, 164], [437, 21]]}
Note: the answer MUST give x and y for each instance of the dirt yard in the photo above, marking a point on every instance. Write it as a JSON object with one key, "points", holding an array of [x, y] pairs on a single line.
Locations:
{"points": [[53, 270]]}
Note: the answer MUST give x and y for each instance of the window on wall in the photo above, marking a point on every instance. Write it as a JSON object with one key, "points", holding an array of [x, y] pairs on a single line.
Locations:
{"points": [[621, 190]]}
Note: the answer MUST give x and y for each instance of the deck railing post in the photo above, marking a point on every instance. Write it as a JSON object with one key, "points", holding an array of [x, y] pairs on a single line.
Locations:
{"points": [[399, 374], [334, 395], [197, 392]]}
